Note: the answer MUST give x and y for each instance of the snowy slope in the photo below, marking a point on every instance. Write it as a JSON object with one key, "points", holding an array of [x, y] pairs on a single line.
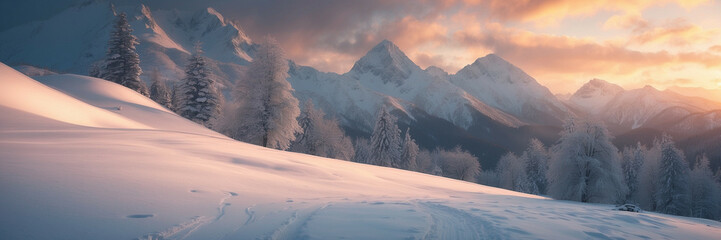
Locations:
{"points": [[72, 181], [502, 85], [23, 94], [77, 37]]}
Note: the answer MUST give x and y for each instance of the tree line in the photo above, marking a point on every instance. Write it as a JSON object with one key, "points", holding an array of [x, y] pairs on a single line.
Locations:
{"points": [[585, 166]]}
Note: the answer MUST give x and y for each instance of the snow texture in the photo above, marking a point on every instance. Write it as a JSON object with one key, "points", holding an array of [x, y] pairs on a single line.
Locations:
{"points": [[71, 169]]}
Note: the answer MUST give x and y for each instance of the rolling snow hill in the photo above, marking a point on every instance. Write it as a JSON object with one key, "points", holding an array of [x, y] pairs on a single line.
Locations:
{"points": [[82, 158]]}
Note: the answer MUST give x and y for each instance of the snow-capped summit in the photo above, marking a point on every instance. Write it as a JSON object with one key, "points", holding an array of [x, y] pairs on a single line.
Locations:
{"points": [[222, 39], [77, 37], [635, 108], [502, 85], [595, 94], [386, 61]]}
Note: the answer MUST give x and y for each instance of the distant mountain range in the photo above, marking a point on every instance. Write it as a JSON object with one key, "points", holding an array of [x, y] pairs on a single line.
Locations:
{"points": [[489, 107]]}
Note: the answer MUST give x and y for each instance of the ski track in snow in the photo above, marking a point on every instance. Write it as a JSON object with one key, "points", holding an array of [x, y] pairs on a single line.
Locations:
{"points": [[452, 223], [187, 228], [291, 228]]}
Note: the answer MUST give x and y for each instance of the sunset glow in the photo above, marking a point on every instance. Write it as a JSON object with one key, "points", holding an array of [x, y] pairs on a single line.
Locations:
{"points": [[561, 43]]}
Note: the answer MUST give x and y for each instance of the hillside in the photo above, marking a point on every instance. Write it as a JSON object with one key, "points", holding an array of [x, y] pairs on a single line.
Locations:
{"points": [[136, 170]]}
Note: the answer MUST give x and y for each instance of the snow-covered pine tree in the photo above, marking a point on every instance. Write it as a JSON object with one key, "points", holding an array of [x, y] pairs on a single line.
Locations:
{"points": [[121, 64], [705, 191], [536, 157], [306, 141], [631, 163], [648, 177], [159, 91], [267, 112], [320, 136], [409, 152], [175, 95], [511, 172], [585, 167], [199, 97], [672, 194], [385, 141], [362, 150]]}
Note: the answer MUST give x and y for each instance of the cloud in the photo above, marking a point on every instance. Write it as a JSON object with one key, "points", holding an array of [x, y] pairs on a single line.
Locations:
{"points": [[677, 32], [551, 11], [543, 53]]}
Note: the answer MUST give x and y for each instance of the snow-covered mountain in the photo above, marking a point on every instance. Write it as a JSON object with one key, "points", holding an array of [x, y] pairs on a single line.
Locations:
{"points": [[83, 158], [387, 70], [500, 84], [77, 37], [623, 110], [594, 95]]}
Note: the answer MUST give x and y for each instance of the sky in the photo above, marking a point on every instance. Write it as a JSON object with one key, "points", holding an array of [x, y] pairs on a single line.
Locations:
{"points": [[561, 43]]}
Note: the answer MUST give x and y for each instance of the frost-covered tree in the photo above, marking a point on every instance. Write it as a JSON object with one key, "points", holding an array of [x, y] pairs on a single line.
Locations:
{"points": [[175, 97], [489, 178], [121, 64], [536, 164], [320, 136], [705, 191], [648, 177], [386, 141], [362, 150], [459, 164], [585, 167], [672, 194], [424, 162], [631, 163], [199, 97], [159, 90], [511, 171], [267, 110], [409, 152]]}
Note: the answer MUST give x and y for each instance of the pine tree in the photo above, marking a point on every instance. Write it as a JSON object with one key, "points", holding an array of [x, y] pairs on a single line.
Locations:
{"points": [[363, 150], [648, 177], [267, 110], [705, 191], [306, 141], [159, 91], [585, 167], [385, 141], [672, 195], [121, 64], [511, 173], [632, 161], [320, 136], [409, 152], [536, 159], [199, 97]]}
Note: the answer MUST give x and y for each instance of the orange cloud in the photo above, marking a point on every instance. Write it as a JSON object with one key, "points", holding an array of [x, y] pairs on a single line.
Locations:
{"points": [[675, 32], [543, 53], [548, 11]]}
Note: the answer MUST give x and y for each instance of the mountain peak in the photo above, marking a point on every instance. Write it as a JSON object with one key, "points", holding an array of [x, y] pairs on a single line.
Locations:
{"points": [[387, 61], [595, 87]]}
